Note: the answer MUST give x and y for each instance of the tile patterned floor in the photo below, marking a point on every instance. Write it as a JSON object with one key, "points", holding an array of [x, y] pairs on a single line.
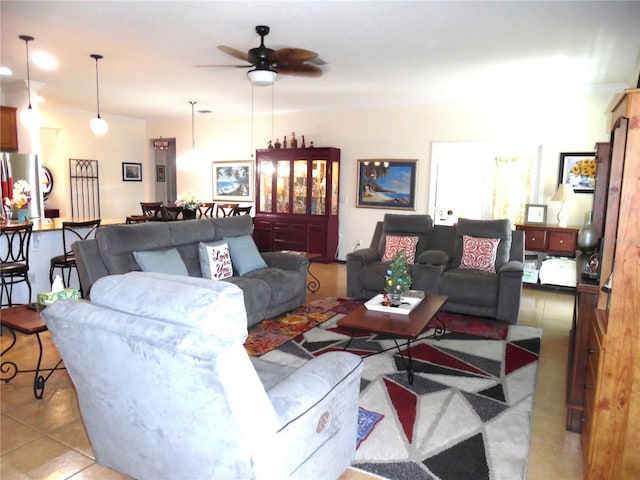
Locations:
{"points": [[45, 438]]}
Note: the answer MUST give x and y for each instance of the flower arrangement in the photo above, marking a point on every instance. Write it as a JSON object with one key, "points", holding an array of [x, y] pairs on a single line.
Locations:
{"points": [[21, 195], [188, 200], [398, 279]]}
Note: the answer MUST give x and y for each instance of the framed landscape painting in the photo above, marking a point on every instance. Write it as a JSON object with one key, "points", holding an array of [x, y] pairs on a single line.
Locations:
{"points": [[384, 183], [131, 172], [233, 181], [579, 170]]}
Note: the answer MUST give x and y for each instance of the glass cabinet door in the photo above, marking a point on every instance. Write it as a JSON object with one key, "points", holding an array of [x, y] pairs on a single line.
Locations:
{"points": [[300, 186], [282, 186], [335, 180], [319, 187], [266, 186]]}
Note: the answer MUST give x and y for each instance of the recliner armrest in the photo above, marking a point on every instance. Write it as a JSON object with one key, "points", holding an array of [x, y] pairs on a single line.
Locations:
{"points": [[434, 257], [286, 261], [512, 266], [364, 256]]}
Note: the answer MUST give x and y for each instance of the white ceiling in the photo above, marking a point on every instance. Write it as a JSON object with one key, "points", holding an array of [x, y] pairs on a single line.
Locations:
{"points": [[377, 53]]}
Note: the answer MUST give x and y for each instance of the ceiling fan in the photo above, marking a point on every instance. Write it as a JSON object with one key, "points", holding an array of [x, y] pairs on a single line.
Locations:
{"points": [[267, 62]]}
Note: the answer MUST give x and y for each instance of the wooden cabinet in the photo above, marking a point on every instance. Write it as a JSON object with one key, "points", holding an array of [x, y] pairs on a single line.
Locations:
{"points": [[8, 130], [610, 429], [297, 200], [550, 239]]}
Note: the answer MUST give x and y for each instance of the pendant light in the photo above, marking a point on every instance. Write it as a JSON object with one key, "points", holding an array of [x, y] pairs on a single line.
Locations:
{"points": [[98, 124], [29, 116], [193, 117]]}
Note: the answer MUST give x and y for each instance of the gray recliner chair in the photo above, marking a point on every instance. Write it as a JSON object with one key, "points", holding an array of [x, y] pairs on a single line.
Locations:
{"points": [[437, 265], [167, 391]]}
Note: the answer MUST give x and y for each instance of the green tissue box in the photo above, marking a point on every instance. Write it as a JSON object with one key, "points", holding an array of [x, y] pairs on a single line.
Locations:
{"points": [[50, 297]]}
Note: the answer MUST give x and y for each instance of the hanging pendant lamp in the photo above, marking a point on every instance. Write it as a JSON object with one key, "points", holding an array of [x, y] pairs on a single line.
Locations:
{"points": [[98, 124], [29, 116], [193, 117]]}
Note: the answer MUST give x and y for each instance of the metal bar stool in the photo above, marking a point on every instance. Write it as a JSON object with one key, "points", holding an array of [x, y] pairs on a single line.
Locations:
{"points": [[14, 260], [71, 232]]}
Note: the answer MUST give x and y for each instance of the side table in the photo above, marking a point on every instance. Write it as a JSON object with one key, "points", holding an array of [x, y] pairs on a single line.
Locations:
{"points": [[29, 322], [314, 284]]}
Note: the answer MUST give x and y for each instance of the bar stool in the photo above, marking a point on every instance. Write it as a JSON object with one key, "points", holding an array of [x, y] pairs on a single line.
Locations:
{"points": [[14, 265], [71, 232]]}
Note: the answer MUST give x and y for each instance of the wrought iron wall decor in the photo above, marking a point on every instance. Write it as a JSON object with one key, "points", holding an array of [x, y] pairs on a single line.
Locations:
{"points": [[85, 188]]}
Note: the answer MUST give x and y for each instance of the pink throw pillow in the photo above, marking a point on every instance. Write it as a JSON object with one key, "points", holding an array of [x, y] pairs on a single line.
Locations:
{"points": [[479, 253], [395, 243]]}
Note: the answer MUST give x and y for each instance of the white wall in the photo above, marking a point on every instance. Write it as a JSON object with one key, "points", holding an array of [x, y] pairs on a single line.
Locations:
{"points": [[557, 124]]}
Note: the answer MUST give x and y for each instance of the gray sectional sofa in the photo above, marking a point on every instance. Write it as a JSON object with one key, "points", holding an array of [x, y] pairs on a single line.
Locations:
{"points": [[437, 265], [270, 291]]}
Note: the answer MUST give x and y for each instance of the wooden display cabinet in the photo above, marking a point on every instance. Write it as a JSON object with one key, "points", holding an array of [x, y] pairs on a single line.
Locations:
{"points": [[297, 201]]}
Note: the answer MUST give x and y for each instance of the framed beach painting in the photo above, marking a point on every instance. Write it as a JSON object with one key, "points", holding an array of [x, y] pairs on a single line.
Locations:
{"points": [[233, 181], [579, 170], [386, 183]]}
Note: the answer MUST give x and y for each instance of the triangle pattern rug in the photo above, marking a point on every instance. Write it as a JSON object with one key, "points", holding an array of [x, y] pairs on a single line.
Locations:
{"points": [[467, 414]]}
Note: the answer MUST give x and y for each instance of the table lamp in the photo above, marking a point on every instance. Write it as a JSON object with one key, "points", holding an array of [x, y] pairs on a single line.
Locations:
{"points": [[563, 194]]}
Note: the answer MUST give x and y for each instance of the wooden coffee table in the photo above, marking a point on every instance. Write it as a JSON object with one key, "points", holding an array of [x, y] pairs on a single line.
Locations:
{"points": [[399, 326], [28, 322]]}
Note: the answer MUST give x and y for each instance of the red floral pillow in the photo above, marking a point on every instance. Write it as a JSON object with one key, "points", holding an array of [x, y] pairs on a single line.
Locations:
{"points": [[479, 253], [395, 243]]}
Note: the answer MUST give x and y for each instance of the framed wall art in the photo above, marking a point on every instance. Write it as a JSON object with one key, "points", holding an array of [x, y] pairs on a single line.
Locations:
{"points": [[535, 214], [233, 181], [131, 172], [386, 183], [579, 170], [160, 175]]}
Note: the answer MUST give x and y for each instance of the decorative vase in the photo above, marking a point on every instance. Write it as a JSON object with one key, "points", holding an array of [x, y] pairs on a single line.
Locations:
{"points": [[23, 215], [588, 235], [188, 214]]}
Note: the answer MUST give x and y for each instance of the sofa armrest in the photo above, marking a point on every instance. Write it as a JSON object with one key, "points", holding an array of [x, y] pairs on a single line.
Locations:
{"points": [[89, 264], [287, 261], [364, 256], [318, 403], [356, 261], [434, 257], [509, 291], [512, 266]]}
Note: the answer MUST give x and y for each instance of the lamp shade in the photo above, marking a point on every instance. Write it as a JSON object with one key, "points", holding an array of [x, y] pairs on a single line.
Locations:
{"points": [[262, 78], [99, 125], [563, 194]]}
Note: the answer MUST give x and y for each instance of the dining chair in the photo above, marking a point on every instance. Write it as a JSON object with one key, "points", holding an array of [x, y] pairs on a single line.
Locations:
{"points": [[14, 260], [226, 209], [206, 209], [153, 209], [71, 232], [171, 213], [132, 219], [242, 210]]}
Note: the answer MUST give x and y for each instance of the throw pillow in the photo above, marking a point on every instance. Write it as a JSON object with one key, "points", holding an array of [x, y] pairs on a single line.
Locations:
{"points": [[215, 261], [244, 254], [479, 253], [161, 261], [395, 243]]}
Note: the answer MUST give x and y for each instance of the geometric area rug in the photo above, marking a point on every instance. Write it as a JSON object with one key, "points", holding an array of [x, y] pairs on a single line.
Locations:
{"points": [[467, 414]]}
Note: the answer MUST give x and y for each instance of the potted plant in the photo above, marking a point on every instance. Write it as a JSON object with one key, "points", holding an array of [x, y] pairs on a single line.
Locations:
{"points": [[189, 203]]}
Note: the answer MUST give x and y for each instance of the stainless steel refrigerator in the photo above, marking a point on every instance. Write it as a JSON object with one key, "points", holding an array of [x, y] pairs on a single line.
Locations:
{"points": [[20, 166]]}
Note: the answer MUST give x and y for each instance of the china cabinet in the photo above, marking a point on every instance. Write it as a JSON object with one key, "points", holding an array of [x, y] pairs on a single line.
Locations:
{"points": [[604, 364], [297, 200]]}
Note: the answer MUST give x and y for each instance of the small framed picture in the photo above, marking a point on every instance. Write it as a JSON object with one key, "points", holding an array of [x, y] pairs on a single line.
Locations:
{"points": [[159, 173], [131, 172], [578, 169], [535, 214]]}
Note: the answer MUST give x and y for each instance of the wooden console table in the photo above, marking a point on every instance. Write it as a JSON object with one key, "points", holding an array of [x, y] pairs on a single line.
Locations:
{"points": [[29, 322]]}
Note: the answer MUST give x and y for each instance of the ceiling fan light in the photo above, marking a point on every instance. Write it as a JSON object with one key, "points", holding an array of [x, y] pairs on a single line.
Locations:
{"points": [[99, 126], [262, 78]]}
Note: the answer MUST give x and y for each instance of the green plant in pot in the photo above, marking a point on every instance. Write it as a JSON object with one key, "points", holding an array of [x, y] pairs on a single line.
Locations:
{"points": [[398, 279], [189, 203]]}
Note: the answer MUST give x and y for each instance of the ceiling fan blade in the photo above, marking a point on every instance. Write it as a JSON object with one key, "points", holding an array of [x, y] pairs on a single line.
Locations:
{"points": [[234, 52], [226, 66], [294, 55], [299, 69]]}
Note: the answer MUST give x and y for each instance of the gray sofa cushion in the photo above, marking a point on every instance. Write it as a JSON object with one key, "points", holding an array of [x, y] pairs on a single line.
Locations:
{"points": [[485, 229], [406, 225]]}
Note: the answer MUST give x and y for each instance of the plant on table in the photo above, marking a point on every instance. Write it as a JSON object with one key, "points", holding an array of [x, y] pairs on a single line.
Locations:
{"points": [[398, 279], [188, 200]]}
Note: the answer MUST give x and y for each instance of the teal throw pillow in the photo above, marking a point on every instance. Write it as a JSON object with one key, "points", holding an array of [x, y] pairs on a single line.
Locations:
{"points": [[161, 261], [244, 254]]}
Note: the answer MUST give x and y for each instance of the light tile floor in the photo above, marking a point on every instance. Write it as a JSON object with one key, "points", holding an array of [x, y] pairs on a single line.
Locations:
{"points": [[43, 439]]}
